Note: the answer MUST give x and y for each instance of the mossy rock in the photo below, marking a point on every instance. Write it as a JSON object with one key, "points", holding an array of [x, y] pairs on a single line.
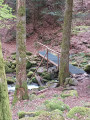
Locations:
{"points": [[13, 67], [87, 68], [46, 75], [41, 70], [34, 80], [30, 73], [8, 63], [29, 114], [68, 93], [54, 115], [34, 63], [14, 57], [10, 80], [74, 63], [8, 70], [14, 62], [33, 69], [54, 104], [28, 53], [28, 64], [82, 112]]}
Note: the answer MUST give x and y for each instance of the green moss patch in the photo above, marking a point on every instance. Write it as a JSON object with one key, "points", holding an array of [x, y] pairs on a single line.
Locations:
{"points": [[45, 115], [30, 73], [87, 68], [79, 113], [68, 93], [54, 104]]}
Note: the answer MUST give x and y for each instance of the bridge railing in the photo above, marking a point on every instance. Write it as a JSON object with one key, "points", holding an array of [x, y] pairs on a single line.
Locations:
{"points": [[49, 49]]}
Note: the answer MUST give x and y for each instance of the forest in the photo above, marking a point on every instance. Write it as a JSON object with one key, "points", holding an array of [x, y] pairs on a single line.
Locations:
{"points": [[44, 60]]}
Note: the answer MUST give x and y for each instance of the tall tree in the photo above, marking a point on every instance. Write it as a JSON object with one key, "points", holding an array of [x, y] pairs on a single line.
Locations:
{"points": [[5, 113], [64, 62], [21, 91]]}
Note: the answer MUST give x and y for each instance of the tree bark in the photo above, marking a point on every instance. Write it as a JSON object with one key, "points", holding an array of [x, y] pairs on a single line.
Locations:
{"points": [[64, 59], [21, 91], [5, 113]]}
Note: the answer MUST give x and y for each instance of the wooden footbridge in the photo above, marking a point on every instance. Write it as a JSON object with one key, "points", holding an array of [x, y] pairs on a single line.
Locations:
{"points": [[54, 58]]}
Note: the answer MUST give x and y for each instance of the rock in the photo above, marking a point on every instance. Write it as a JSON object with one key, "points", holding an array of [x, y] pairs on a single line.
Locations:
{"points": [[41, 115], [46, 75], [73, 81], [7, 69], [74, 63], [52, 69], [33, 69], [28, 65], [52, 84], [34, 63], [10, 80], [87, 68], [28, 53], [70, 87], [30, 73], [41, 70]]}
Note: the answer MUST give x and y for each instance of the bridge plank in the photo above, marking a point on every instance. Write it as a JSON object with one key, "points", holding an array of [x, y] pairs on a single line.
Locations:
{"points": [[54, 60]]}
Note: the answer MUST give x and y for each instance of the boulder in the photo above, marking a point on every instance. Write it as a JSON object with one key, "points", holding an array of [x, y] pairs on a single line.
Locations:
{"points": [[73, 81], [87, 68], [30, 73], [41, 70], [44, 115], [28, 65], [52, 84]]}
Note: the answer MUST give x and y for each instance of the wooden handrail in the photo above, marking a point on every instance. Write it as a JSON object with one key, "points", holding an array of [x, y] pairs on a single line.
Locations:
{"points": [[48, 48]]}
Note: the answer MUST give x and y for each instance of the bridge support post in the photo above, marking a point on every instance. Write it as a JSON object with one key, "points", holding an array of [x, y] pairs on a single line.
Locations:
{"points": [[47, 60]]}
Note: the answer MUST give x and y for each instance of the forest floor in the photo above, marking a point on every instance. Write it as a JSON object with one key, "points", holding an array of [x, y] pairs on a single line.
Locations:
{"points": [[80, 42]]}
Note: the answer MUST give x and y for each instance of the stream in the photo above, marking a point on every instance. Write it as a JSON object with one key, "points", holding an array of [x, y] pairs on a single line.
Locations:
{"points": [[12, 87]]}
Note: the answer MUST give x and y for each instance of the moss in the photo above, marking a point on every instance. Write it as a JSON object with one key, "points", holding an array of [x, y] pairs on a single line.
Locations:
{"points": [[46, 75], [69, 93], [87, 68], [32, 97], [34, 80], [13, 67], [21, 11], [44, 115], [28, 53], [29, 75], [7, 69], [29, 114], [33, 69], [28, 65], [20, 89], [25, 95], [14, 57], [5, 113], [54, 104], [82, 112]]}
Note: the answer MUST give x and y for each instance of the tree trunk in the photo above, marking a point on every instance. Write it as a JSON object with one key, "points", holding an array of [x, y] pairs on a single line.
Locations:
{"points": [[21, 91], [5, 113], [64, 61]]}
